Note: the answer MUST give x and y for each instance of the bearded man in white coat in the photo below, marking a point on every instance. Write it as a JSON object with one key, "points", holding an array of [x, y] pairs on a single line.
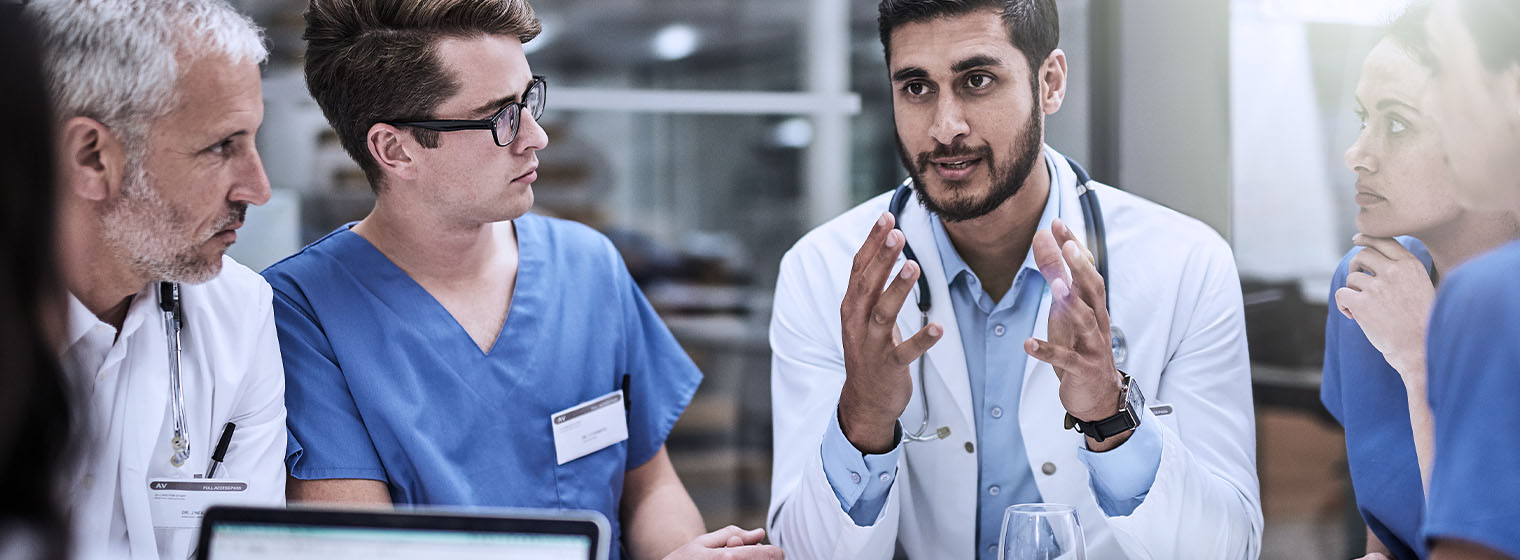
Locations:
{"points": [[1038, 360]]}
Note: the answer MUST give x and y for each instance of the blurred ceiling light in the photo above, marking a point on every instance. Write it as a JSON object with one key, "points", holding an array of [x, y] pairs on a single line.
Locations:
{"points": [[795, 133], [547, 32], [675, 42]]}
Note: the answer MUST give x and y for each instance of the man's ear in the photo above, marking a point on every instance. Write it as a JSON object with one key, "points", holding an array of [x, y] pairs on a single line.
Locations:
{"points": [[1053, 82], [392, 150], [92, 159]]}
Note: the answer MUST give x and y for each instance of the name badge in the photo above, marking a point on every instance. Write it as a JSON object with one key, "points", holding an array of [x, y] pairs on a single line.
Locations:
{"points": [[179, 503], [588, 427]]}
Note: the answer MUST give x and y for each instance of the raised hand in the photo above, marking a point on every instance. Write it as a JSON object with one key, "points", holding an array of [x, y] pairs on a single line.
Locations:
{"points": [[1389, 294], [877, 383], [1079, 348]]}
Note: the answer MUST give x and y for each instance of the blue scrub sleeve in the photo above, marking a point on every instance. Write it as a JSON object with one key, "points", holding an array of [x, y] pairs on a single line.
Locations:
{"points": [[860, 481], [661, 378], [327, 438], [1330, 379], [1122, 476], [1473, 351]]}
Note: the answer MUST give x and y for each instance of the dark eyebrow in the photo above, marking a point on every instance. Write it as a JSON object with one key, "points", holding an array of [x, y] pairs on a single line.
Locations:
{"points": [[909, 73], [977, 61], [491, 107], [1385, 104]]}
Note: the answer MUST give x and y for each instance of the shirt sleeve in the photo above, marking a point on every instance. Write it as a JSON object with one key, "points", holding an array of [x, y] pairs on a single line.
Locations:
{"points": [[860, 481], [1122, 476], [1330, 379], [327, 437], [661, 378], [1473, 380]]}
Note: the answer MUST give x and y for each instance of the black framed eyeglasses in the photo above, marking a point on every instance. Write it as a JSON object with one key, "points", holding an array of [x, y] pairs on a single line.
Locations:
{"points": [[503, 125]]}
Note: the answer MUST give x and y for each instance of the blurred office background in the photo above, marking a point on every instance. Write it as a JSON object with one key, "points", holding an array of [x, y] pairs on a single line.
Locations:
{"points": [[705, 137]]}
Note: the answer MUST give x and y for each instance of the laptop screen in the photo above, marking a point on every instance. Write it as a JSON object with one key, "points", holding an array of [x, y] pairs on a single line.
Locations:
{"points": [[249, 534]]}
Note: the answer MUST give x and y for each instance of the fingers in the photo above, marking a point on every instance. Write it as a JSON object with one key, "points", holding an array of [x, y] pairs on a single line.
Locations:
{"points": [[1389, 248], [722, 537], [753, 552], [1059, 357], [1047, 256], [914, 347], [1371, 261], [1088, 283], [884, 314], [1358, 281], [865, 287], [1346, 300], [1064, 234]]}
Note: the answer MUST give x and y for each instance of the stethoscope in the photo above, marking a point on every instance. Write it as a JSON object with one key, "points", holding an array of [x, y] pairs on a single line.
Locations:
{"points": [[1097, 241], [174, 319]]}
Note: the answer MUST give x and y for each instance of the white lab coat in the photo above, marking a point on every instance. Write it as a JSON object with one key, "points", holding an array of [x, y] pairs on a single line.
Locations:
{"points": [[230, 363], [1176, 295]]}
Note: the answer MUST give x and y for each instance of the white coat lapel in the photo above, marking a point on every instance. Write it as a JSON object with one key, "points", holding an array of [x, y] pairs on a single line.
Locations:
{"points": [[947, 358]]}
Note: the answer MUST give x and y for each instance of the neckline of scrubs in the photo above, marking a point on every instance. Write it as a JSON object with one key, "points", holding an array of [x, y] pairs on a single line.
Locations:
{"points": [[398, 290]]}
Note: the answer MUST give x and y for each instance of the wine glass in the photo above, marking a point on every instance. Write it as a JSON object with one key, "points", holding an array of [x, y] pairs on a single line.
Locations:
{"points": [[1041, 532]]}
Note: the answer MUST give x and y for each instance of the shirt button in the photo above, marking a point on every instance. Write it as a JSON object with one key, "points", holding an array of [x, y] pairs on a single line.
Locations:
{"points": [[993, 490], [1048, 468], [970, 448], [885, 477], [998, 330], [997, 412], [991, 549], [855, 477]]}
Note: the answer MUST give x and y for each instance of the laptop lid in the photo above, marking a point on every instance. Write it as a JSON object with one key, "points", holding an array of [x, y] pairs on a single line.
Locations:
{"points": [[243, 533]]}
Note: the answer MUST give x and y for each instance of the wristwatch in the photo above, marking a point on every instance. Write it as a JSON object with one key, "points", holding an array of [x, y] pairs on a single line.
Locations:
{"points": [[1131, 404]]}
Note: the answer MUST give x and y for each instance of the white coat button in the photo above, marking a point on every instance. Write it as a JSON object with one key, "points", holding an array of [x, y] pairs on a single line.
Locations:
{"points": [[998, 330], [88, 482], [855, 477], [994, 490], [970, 448], [1048, 468], [997, 412]]}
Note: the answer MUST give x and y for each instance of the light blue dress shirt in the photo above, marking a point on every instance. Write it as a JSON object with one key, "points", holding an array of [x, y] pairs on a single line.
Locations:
{"points": [[1121, 477]]}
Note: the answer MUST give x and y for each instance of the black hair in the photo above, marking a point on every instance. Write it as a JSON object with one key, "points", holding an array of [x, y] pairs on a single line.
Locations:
{"points": [[1408, 32], [1033, 26], [36, 424], [1495, 27]]}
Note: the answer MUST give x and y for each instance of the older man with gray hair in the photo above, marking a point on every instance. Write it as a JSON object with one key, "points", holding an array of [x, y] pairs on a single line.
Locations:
{"points": [[170, 342]]}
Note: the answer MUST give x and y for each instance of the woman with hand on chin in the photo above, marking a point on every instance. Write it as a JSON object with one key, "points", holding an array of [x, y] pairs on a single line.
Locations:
{"points": [[1412, 231]]}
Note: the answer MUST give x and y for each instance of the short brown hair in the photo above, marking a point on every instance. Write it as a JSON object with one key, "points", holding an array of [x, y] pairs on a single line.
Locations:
{"points": [[370, 61]]}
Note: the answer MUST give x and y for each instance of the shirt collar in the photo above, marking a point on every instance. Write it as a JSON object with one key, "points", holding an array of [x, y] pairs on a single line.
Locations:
{"points": [[955, 265], [82, 321]]}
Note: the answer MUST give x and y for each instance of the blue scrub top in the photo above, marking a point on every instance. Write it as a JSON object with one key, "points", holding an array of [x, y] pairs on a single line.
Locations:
{"points": [[382, 383], [1473, 357], [1367, 397]]}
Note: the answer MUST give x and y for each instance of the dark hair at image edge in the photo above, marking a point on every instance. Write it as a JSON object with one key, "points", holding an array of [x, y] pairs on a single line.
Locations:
{"points": [[36, 424], [1034, 26], [1408, 32], [1495, 26]]}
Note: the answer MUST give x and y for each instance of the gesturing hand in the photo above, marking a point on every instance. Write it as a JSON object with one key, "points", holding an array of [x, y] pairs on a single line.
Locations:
{"points": [[1389, 294], [728, 543], [1079, 349], [877, 384]]}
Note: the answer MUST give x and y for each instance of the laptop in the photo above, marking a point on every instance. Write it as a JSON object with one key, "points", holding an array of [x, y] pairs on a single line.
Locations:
{"points": [[244, 533]]}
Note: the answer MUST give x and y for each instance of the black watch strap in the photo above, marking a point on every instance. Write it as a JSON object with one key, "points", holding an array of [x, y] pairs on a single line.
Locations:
{"points": [[1128, 417]]}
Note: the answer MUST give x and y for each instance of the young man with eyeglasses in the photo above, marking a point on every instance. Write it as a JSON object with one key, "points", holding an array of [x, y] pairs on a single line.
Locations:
{"points": [[452, 348]]}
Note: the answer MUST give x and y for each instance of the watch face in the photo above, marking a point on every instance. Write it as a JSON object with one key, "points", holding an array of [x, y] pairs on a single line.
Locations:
{"points": [[1133, 399]]}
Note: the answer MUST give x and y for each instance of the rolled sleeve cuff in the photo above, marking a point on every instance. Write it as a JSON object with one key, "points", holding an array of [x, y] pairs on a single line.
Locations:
{"points": [[860, 481], [1122, 476]]}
